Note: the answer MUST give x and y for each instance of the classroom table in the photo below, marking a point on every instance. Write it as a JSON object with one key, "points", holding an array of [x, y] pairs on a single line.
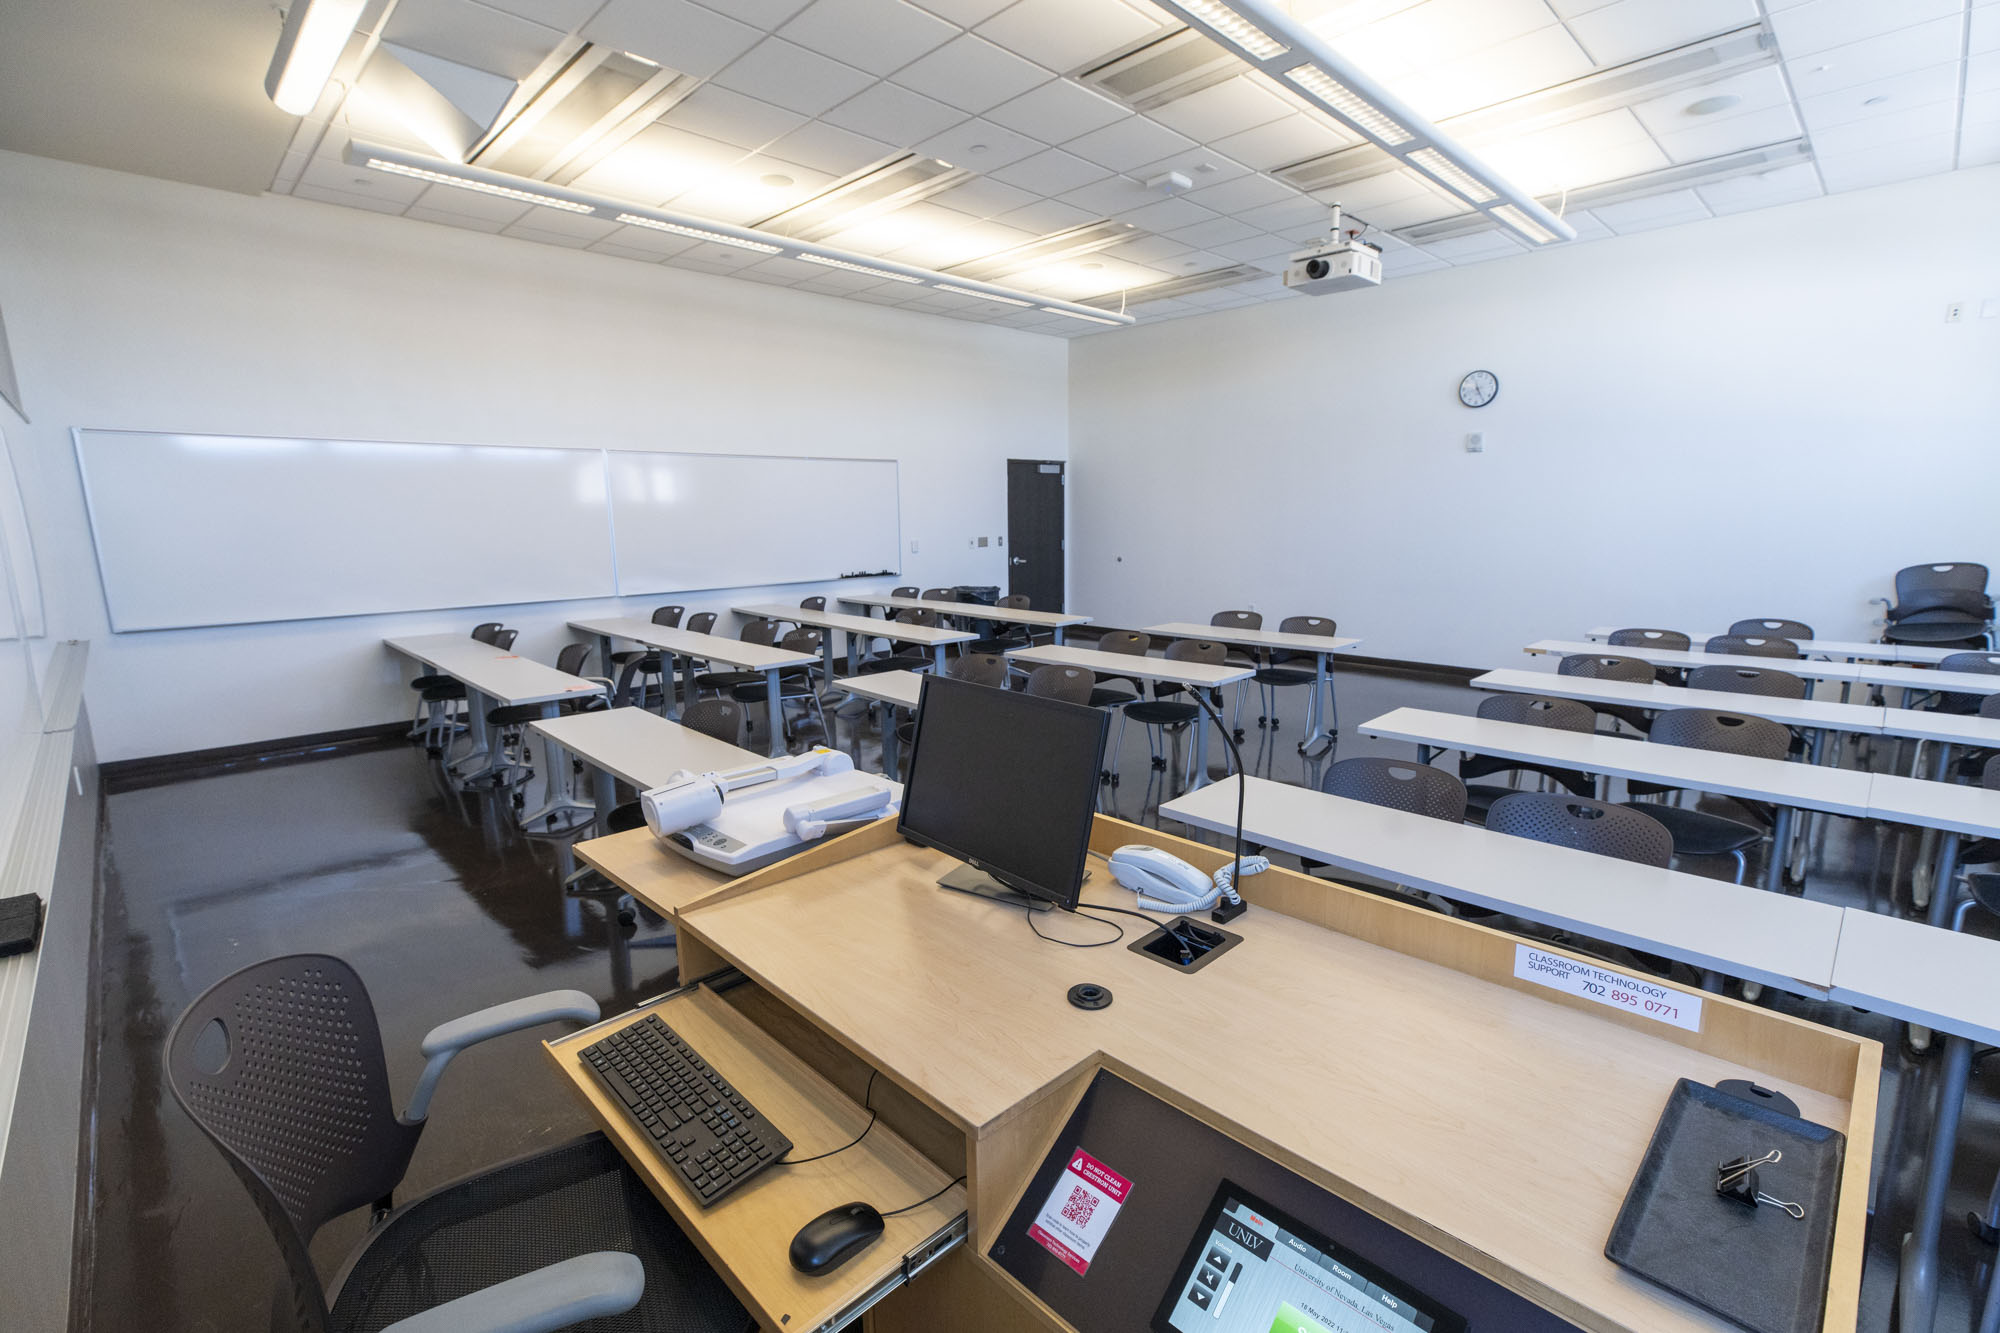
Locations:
{"points": [[493, 678], [1054, 621], [1809, 714], [634, 746], [1709, 924], [1886, 675], [1321, 647], [690, 647], [890, 690], [1190, 674], [1850, 649], [857, 630]]}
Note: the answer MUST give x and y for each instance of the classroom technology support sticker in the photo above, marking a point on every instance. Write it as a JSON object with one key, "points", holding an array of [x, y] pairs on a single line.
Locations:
{"points": [[1079, 1210], [1634, 995]]}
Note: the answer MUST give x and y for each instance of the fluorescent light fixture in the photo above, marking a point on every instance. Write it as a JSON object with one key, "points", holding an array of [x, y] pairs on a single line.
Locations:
{"points": [[403, 162], [1296, 61], [984, 296], [1067, 244], [309, 46], [830, 262], [1078, 314], [701, 234], [479, 186]]}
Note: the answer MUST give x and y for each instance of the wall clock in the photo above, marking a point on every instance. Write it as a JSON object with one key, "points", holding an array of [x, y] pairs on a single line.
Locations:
{"points": [[1479, 388]]}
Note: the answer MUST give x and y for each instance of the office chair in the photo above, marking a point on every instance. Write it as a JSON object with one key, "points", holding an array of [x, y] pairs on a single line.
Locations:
{"points": [[280, 1065], [1773, 629], [1532, 711], [635, 665], [1671, 640], [1696, 832], [1243, 657], [903, 655], [1397, 784], [1128, 643], [436, 692], [1610, 666], [1964, 705], [510, 722], [1072, 685], [1942, 605], [1162, 714], [906, 593], [988, 669], [1008, 636], [488, 632], [1748, 680], [1276, 675], [756, 630], [795, 684], [1583, 824], [1747, 645]]}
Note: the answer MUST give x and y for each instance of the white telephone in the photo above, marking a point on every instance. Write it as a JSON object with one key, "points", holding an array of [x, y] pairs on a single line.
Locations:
{"points": [[1165, 883]]}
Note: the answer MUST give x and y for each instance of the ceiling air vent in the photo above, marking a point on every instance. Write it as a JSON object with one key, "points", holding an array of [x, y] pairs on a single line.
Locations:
{"points": [[1056, 246], [896, 183], [1164, 71], [1193, 282], [585, 103]]}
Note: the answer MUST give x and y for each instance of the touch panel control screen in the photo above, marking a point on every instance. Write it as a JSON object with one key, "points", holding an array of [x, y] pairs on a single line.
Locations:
{"points": [[1253, 1270]]}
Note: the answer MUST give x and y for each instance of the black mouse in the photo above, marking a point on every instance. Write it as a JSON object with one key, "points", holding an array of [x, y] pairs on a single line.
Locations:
{"points": [[834, 1237]]}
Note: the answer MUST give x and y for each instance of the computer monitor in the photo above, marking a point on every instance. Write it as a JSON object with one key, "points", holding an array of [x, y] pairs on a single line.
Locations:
{"points": [[1006, 782]]}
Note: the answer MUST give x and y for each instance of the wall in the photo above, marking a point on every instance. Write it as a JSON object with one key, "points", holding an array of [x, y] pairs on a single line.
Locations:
{"points": [[1758, 415], [139, 304]]}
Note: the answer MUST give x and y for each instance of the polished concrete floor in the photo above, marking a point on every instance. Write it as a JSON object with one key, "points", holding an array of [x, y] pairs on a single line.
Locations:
{"points": [[442, 906]]}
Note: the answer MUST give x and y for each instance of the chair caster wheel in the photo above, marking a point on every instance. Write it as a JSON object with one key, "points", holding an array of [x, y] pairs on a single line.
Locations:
{"points": [[1237, 735], [1159, 765]]}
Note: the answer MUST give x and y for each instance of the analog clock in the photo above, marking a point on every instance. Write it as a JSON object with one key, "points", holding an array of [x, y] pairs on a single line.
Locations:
{"points": [[1479, 388]]}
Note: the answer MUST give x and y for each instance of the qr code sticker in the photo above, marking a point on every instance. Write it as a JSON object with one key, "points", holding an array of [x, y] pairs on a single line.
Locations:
{"points": [[1082, 1203]]}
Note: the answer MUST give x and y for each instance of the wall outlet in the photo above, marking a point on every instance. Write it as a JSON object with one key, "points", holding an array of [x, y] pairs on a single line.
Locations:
{"points": [[1475, 443], [982, 541], [1954, 312]]}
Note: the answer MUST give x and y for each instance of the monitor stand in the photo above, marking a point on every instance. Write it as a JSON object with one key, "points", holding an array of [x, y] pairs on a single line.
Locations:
{"points": [[965, 879]]}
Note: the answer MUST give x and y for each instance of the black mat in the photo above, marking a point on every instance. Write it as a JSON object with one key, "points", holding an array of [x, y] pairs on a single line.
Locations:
{"points": [[1759, 1268]]}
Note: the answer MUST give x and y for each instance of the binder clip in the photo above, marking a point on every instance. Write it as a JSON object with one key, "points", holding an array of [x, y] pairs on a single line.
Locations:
{"points": [[1737, 1181]]}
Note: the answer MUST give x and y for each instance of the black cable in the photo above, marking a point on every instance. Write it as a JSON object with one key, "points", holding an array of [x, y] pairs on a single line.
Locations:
{"points": [[1073, 944], [1234, 907], [1188, 950], [921, 1202], [867, 1099]]}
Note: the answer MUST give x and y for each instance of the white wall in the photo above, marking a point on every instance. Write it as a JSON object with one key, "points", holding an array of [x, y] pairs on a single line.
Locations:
{"points": [[1759, 415], [138, 304]]}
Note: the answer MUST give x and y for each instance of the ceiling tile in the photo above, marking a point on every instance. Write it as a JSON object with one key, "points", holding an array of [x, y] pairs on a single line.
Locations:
{"points": [[1439, 30], [1165, 215], [880, 36], [1632, 29], [1660, 210], [983, 197], [1057, 111], [1918, 47], [644, 241], [1525, 64], [1607, 146], [765, 14], [980, 145], [1472, 249], [1982, 73], [1982, 108], [471, 203], [1984, 33], [1741, 193], [1262, 246], [965, 13], [1894, 126], [347, 200], [752, 190], [472, 35], [1047, 215], [1065, 35], [562, 15], [1282, 142], [1214, 233], [898, 115], [1882, 165], [1226, 109], [972, 74], [1128, 143], [730, 117], [1732, 134], [1108, 198], [799, 80], [1426, 207], [675, 33], [1295, 212], [331, 173], [1979, 145], [1409, 263], [828, 148], [550, 221], [522, 232], [1050, 172], [1754, 90], [1243, 194], [658, 163], [1203, 166], [958, 246], [1824, 24], [1921, 87], [1156, 250]]}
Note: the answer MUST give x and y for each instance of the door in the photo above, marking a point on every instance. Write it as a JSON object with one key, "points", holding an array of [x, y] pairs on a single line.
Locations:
{"points": [[1035, 532]]}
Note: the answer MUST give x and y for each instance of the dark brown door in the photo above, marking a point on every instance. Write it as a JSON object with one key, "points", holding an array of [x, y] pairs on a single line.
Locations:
{"points": [[1035, 531]]}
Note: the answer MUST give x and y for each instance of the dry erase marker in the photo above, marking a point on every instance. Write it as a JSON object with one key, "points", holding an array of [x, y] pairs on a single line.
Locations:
{"points": [[1222, 1297]]}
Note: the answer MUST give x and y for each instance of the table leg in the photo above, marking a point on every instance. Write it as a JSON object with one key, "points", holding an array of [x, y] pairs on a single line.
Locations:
{"points": [[604, 797], [604, 656], [775, 713], [937, 657], [1200, 750], [886, 716], [1916, 1278], [1939, 911], [482, 735], [1058, 636], [1781, 847], [853, 653], [1315, 711], [687, 685]]}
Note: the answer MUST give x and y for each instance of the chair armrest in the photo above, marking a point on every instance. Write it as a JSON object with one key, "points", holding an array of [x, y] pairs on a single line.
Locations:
{"points": [[446, 1040], [590, 1286]]}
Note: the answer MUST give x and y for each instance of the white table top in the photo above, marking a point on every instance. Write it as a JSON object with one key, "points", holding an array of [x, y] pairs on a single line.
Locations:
{"points": [[1840, 791], [1125, 664], [1860, 648], [1952, 728], [890, 687], [1706, 923], [1652, 694], [970, 610], [687, 643], [1809, 667], [1919, 974], [506, 678], [1253, 638], [1946, 805], [1927, 678], [642, 748], [866, 625]]}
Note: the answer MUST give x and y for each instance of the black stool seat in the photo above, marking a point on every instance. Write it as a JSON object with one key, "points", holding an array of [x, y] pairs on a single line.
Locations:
{"points": [[1158, 713], [1698, 833], [445, 689], [577, 1199], [1284, 675], [650, 657], [724, 681], [875, 666]]}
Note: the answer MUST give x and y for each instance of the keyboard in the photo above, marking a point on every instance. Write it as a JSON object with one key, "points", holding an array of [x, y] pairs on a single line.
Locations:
{"points": [[711, 1133]]}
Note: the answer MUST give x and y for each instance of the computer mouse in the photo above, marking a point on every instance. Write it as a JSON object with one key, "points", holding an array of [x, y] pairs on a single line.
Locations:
{"points": [[834, 1237]]}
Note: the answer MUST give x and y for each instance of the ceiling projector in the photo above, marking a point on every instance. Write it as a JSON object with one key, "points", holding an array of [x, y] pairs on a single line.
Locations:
{"points": [[1340, 263]]}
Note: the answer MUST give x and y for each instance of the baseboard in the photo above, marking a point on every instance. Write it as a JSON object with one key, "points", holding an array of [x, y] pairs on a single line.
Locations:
{"points": [[125, 775]]}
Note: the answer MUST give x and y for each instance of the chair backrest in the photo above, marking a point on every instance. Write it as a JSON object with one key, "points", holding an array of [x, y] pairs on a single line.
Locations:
{"points": [[1237, 620], [1712, 729], [1752, 645], [902, 592], [760, 631], [1989, 776], [487, 632], [1955, 575], [979, 668], [1128, 641], [1320, 625], [805, 639], [1197, 650], [1748, 680], [939, 595], [280, 1065], [669, 616], [1671, 639], [572, 658], [921, 615], [504, 640], [1535, 711], [1774, 629], [1398, 784], [1990, 706], [812, 604], [701, 622], [1017, 601], [720, 719], [1068, 683], [1986, 662], [1602, 666], [1583, 824]]}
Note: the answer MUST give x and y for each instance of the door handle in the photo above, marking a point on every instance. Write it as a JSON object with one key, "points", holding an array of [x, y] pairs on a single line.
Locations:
{"points": [[1018, 560]]}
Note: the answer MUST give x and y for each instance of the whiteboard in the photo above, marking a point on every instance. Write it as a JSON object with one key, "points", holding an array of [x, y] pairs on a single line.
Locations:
{"points": [[222, 530], [690, 521]]}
